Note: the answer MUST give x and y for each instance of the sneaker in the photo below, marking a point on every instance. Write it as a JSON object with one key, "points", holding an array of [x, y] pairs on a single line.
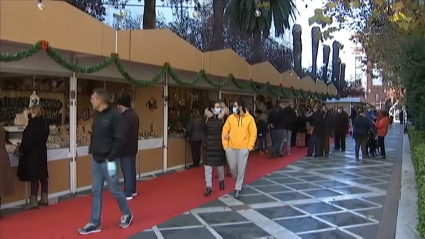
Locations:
{"points": [[288, 153], [129, 198], [134, 194], [126, 221], [89, 228], [208, 192], [238, 194]]}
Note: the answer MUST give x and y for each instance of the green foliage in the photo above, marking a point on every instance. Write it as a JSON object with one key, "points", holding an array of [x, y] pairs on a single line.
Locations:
{"points": [[279, 12], [417, 145]]}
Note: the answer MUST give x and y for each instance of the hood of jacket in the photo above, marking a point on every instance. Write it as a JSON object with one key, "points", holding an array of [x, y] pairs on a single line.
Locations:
{"points": [[210, 114]]}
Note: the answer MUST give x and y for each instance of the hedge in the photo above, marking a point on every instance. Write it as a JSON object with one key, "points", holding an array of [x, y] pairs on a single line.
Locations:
{"points": [[417, 145]]}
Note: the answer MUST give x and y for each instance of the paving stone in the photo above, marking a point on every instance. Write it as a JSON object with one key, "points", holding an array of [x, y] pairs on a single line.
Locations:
{"points": [[279, 212], [302, 224], [222, 217], [316, 208], [343, 219], [333, 234], [248, 230]]}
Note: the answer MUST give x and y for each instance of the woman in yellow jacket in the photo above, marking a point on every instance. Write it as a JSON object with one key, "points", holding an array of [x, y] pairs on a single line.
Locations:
{"points": [[239, 136]]}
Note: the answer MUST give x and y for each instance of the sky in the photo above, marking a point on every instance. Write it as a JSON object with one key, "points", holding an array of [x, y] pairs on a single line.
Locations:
{"points": [[346, 54]]}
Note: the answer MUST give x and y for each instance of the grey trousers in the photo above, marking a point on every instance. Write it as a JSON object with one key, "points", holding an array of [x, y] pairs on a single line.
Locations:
{"points": [[237, 159], [208, 170]]}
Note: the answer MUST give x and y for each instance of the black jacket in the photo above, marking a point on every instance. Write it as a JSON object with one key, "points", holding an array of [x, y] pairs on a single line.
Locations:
{"points": [[289, 118], [214, 152], [301, 123], [195, 130], [108, 135], [276, 118], [33, 160], [318, 122], [328, 123], [341, 123], [361, 126], [131, 124]]}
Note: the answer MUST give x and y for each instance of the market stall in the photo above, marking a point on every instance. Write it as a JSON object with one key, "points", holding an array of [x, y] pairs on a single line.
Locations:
{"points": [[160, 74]]}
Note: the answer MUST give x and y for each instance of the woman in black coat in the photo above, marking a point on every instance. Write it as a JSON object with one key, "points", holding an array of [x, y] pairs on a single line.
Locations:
{"points": [[214, 152], [33, 160]]}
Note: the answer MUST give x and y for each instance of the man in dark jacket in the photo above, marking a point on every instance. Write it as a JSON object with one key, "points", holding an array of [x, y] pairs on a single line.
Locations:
{"points": [[341, 128], [361, 128], [131, 146], [289, 119], [328, 122], [316, 121], [276, 130], [262, 129], [107, 141]]}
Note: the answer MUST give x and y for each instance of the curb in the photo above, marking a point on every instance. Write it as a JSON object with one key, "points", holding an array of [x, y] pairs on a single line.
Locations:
{"points": [[407, 218]]}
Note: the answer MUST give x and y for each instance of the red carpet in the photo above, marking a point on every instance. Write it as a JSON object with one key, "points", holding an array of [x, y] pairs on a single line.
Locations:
{"points": [[159, 200]]}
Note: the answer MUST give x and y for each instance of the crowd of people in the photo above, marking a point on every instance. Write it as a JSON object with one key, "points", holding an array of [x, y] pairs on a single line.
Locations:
{"points": [[227, 136]]}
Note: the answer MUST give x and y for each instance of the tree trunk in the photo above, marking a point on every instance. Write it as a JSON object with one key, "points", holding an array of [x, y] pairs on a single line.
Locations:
{"points": [[149, 14], [257, 55], [218, 27]]}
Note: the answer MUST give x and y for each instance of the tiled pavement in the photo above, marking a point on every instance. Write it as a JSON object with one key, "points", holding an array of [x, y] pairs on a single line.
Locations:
{"points": [[333, 198]]}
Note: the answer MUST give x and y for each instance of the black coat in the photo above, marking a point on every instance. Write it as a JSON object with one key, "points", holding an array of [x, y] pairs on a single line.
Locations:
{"points": [[341, 123], [361, 126], [328, 124], [318, 122], [33, 160], [214, 152], [289, 118]]}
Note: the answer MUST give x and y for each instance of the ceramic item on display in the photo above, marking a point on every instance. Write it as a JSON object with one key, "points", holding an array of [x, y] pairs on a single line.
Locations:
{"points": [[34, 99], [152, 103]]}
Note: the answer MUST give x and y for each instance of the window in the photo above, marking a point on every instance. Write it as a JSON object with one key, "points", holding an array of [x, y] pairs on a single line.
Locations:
{"points": [[377, 78]]}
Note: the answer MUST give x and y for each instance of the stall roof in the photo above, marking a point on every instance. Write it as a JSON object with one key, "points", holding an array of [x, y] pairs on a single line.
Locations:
{"points": [[347, 100]]}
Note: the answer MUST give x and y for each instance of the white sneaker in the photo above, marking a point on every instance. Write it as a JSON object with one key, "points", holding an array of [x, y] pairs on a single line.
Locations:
{"points": [[129, 198], [134, 194]]}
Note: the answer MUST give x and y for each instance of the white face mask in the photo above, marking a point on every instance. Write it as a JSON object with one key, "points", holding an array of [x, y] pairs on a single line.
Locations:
{"points": [[235, 109], [339, 110], [217, 111]]}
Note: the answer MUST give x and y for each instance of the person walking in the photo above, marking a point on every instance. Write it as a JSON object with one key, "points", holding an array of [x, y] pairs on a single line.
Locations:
{"points": [[195, 134], [131, 146], [276, 130], [214, 152], [262, 129], [33, 160], [328, 125], [107, 142], [382, 126], [7, 189], [341, 125], [315, 131], [289, 119], [238, 137], [361, 129]]}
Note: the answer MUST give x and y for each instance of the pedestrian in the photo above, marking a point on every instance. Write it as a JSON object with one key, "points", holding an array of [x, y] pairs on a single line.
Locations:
{"points": [[341, 125], [238, 138], [131, 146], [214, 152], [276, 130], [107, 141]]}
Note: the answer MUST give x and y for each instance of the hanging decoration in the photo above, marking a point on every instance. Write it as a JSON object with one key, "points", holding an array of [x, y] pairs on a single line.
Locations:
{"points": [[166, 69]]}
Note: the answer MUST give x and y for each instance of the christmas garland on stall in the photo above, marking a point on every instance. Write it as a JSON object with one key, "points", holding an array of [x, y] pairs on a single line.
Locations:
{"points": [[165, 69]]}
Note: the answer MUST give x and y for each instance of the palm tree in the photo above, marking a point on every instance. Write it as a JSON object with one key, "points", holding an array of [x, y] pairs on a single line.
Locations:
{"points": [[256, 17]]}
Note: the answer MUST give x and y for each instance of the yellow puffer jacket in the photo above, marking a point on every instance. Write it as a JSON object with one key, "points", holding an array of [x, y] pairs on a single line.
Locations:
{"points": [[242, 132]]}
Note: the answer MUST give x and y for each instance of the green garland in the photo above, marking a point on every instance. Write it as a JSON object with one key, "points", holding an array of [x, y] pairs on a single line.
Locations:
{"points": [[165, 69]]}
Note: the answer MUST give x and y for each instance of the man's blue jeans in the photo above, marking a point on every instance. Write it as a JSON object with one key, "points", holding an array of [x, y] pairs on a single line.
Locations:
{"points": [[99, 175], [314, 143], [287, 134], [277, 140], [128, 168]]}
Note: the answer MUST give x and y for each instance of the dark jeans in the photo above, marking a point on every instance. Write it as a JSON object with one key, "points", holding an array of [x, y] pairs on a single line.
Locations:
{"points": [[195, 148], [128, 168], [381, 145], [261, 141], [314, 144], [277, 140], [371, 145], [361, 142], [340, 141], [36, 184], [99, 175]]}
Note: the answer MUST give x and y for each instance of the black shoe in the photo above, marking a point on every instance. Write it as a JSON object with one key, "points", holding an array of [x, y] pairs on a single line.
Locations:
{"points": [[238, 194], [126, 221], [208, 192], [89, 228], [221, 185]]}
